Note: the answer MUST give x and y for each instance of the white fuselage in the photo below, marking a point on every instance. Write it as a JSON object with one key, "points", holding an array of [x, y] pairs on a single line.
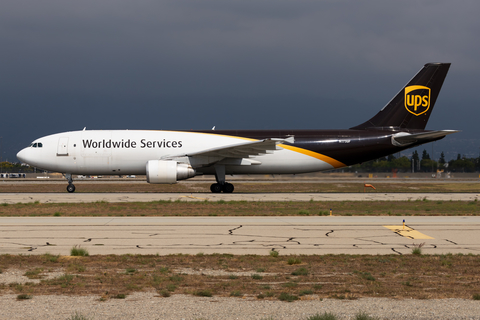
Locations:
{"points": [[125, 152]]}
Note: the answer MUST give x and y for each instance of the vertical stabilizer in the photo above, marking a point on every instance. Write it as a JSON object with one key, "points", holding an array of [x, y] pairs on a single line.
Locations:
{"points": [[412, 106]]}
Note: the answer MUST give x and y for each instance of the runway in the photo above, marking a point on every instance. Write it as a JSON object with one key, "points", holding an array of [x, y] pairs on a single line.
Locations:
{"points": [[142, 197], [239, 235]]}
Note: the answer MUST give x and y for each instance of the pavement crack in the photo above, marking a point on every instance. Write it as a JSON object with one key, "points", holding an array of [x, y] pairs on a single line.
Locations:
{"points": [[235, 242], [213, 245], [367, 240], [451, 241], [291, 240], [108, 221], [331, 231], [397, 252], [231, 230], [275, 246]]}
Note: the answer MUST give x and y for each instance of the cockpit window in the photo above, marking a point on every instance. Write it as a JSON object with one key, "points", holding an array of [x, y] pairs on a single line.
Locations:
{"points": [[36, 145], [40, 145]]}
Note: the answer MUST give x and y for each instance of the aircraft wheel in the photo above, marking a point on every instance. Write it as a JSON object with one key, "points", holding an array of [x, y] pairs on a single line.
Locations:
{"points": [[228, 187], [216, 188], [71, 188]]}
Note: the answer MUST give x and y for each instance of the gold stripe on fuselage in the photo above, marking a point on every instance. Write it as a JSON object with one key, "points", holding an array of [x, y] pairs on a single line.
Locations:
{"points": [[334, 163]]}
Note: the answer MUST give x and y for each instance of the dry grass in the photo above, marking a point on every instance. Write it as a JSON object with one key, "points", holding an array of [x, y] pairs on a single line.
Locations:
{"points": [[244, 208], [334, 276], [241, 186]]}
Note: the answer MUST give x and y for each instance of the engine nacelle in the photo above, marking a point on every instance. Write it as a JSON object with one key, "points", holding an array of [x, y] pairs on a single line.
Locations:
{"points": [[159, 171]]}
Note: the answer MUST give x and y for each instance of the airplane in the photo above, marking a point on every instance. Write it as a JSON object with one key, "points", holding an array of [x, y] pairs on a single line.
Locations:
{"points": [[169, 156]]}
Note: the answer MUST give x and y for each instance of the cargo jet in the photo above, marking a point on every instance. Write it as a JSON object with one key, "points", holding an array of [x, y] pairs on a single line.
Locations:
{"points": [[170, 156]]}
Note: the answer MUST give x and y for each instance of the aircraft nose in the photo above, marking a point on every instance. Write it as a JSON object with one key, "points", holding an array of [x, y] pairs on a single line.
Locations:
{"points": [[22, 155]]}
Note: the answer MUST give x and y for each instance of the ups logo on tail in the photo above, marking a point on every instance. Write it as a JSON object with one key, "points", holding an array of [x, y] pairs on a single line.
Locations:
{"points": [[417, 99]]}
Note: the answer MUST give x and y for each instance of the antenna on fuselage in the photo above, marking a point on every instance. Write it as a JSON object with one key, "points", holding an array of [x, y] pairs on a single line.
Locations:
{"points": [[84, 128]]}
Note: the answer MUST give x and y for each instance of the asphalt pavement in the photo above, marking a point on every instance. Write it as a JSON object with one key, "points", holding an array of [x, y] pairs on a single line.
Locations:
{"points": [[65, 197], [240, 235]]}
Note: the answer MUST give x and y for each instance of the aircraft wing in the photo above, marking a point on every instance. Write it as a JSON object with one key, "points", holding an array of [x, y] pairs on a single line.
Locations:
{"points": [[242, 150], [235, 151], [403, 139]]}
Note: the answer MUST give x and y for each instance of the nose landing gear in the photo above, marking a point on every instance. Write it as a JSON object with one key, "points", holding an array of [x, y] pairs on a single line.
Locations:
{"points": [[70, 187]]}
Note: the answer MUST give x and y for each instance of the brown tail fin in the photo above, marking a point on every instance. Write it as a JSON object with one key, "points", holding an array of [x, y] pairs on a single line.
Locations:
{"points": [[412, 106]]}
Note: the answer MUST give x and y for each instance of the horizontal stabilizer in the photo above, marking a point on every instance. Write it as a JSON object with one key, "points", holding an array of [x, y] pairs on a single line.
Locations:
{"points": [[403, 138]]}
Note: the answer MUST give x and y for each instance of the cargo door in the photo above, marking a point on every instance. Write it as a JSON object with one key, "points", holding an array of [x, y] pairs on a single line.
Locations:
{"points": [[62, 149]]}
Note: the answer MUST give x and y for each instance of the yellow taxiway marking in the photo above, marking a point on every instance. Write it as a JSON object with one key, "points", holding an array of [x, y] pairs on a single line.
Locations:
{"points": [[408, 232]]}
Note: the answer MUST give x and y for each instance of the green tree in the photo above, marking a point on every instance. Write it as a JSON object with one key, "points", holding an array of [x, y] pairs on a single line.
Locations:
{"points": [[441, 161], [462, 165], [425, 155], [402, 164], [415, 156], [426, 164], [442, 158]]}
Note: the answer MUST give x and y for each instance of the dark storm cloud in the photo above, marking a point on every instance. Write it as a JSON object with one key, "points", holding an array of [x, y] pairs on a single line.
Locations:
{"points": [[234, 64]]}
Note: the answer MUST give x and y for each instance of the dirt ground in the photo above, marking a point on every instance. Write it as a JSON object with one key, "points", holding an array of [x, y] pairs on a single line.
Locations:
{"points": [[264, 277]]}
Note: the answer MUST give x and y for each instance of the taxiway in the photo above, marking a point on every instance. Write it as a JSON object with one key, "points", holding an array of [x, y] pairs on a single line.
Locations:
{"points": [[239, 235], [65, 197]]}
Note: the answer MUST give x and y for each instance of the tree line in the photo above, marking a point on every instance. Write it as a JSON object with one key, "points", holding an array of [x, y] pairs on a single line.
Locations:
{"points": [[15, 167], [418, 164]]}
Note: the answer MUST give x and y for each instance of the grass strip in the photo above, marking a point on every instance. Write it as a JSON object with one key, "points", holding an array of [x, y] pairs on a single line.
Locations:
{"points": [[325, 276], [244, 208]]}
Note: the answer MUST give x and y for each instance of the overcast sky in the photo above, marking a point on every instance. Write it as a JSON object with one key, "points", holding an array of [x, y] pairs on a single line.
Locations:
{"points": [[193, 64]]}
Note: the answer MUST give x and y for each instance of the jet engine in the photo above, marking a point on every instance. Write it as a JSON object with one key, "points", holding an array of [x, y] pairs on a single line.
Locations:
{"points": [[159, 171]]}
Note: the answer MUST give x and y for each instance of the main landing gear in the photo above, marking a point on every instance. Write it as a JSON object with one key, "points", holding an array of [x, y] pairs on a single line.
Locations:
{"points": [[70, 187], [221, 185], [225, 187]]}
